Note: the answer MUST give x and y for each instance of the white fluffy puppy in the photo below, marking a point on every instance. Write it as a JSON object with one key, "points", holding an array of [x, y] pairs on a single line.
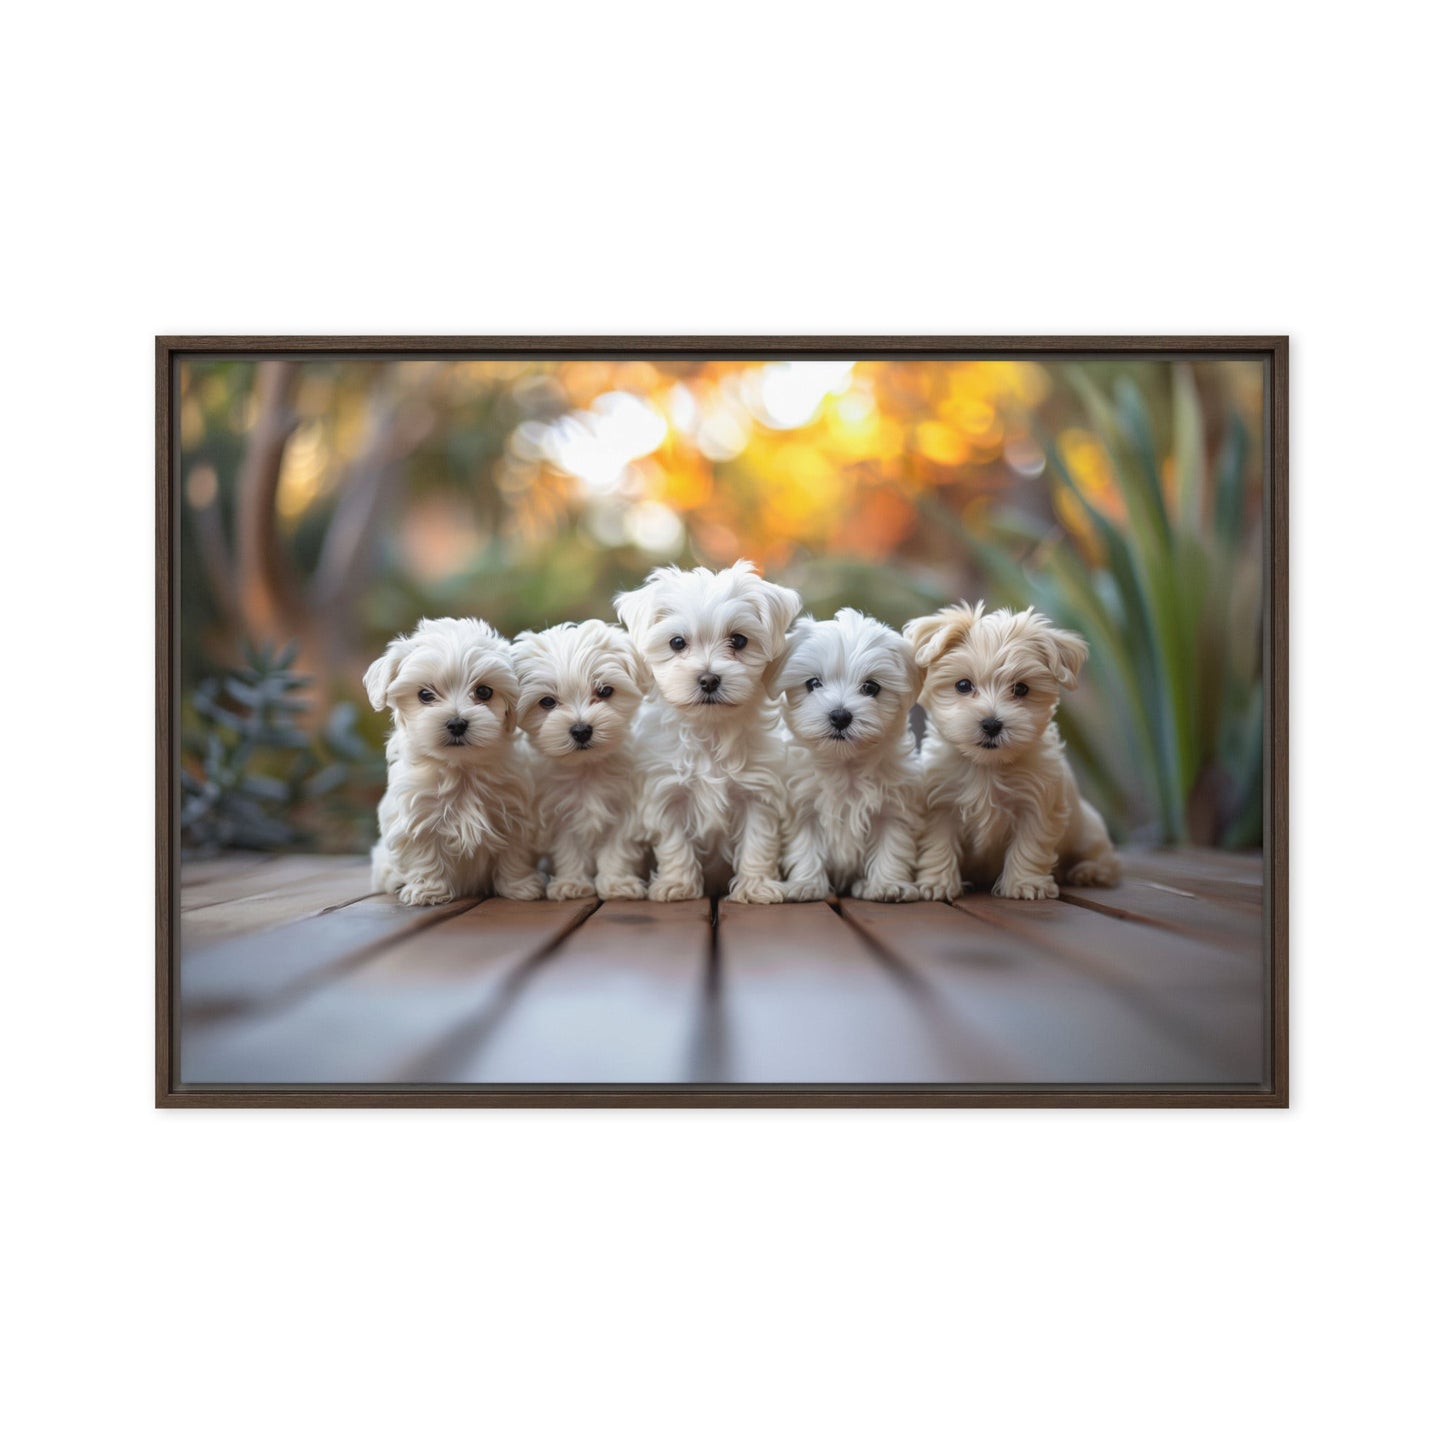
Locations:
{"points": [[853, 785], [1003, 807], [709, 738], [457, 818], [580, 684]]}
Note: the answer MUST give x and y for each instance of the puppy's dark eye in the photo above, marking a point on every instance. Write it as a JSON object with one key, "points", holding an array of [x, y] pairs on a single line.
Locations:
{"points": [[678, 643], [737, 642], [546, 703], [1021, 689], [426, 694], [964, 685], [604, 691], [813, 684], [869, 688], [481, 692]]}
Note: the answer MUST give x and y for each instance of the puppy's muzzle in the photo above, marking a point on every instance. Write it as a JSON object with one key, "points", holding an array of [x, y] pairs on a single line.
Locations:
{"points": [[709, 682], [457, 727], [990, 727], [841, 719], [581, 734]]}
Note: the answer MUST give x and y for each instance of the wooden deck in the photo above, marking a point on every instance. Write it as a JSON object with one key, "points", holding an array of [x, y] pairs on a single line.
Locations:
{"points": [[292, 974]]}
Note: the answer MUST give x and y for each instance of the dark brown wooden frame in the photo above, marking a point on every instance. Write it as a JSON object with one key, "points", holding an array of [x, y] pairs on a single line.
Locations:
{"points": [[1272, 350]]}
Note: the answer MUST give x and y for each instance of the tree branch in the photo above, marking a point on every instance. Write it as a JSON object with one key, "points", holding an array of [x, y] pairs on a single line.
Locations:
{"points": [[265, 587]]}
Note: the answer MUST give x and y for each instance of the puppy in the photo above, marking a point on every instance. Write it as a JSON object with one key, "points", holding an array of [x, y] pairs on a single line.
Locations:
{"points": [[709, 737], [1003, 809], [580, 685], [853, 786], [457, 816]]}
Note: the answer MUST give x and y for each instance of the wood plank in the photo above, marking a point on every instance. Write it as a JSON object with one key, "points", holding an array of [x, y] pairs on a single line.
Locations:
{"points": [[1144, 901], [195, 871], [617, 1003], [305, 898], [1229, 877], [269, 877], [1039, 1021], [1208, 997], [804, 998], [261, 971], [398, 1016], [1242, 866], [286, 978]]}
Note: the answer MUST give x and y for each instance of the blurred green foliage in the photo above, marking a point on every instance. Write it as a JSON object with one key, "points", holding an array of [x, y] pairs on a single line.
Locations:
{"points": [[250, 772]]}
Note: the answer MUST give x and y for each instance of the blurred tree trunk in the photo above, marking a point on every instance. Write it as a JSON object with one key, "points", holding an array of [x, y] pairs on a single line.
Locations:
{"points": [[399, 420], [265, 587]]}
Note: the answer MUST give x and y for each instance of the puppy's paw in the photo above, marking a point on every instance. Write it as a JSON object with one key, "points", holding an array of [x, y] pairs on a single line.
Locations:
{"points": [[757, 890], [1026, 887], [885, 890], [524, 889], [620, 886], [560, 890], [1095, 872], [940, 890], [425, 893], [806, 890], [674, 890]]}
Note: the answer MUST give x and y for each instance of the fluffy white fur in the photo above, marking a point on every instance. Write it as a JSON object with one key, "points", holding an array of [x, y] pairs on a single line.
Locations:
{"points": [[854, 794], [1003, 809], [457, 816], [709, 738], [581, 684]]}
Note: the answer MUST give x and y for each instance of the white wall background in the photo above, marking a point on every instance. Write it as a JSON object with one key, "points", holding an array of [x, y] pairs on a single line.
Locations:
{"points": [[1220, 1277]]}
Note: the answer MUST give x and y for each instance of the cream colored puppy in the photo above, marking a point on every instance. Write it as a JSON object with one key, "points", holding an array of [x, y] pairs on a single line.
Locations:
{"points": [[1003, 809], [581, 684], [853, 783], [457, 816], [709, 738]]}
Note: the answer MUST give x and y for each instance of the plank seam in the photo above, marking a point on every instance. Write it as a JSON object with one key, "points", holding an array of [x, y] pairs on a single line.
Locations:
{"points": [[343, 962], [1126, 915], [1099, 972], [470, 1034]]}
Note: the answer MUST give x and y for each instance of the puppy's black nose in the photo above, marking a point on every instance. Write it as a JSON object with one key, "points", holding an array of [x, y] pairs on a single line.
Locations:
{"points": [[992, 726], [709, 682], [840, 717], [582, 732], [457, 726]]}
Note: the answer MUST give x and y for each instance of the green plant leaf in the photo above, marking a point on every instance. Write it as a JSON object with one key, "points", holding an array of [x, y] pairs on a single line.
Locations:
{"points": [[1229, 484], [1190, 464]]}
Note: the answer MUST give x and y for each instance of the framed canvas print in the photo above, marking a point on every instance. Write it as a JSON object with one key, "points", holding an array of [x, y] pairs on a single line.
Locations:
{"points": [[721, 721]]}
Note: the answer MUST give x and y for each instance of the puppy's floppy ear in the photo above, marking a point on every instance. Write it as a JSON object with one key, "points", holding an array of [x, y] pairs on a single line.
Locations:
{"points": [[510, 690], [940, 632], [524, 649], [773, 673], [1064, 653], [777, 607], [382, 673], [914, 675], [636, 610], [631, 659], [506, 679]]}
